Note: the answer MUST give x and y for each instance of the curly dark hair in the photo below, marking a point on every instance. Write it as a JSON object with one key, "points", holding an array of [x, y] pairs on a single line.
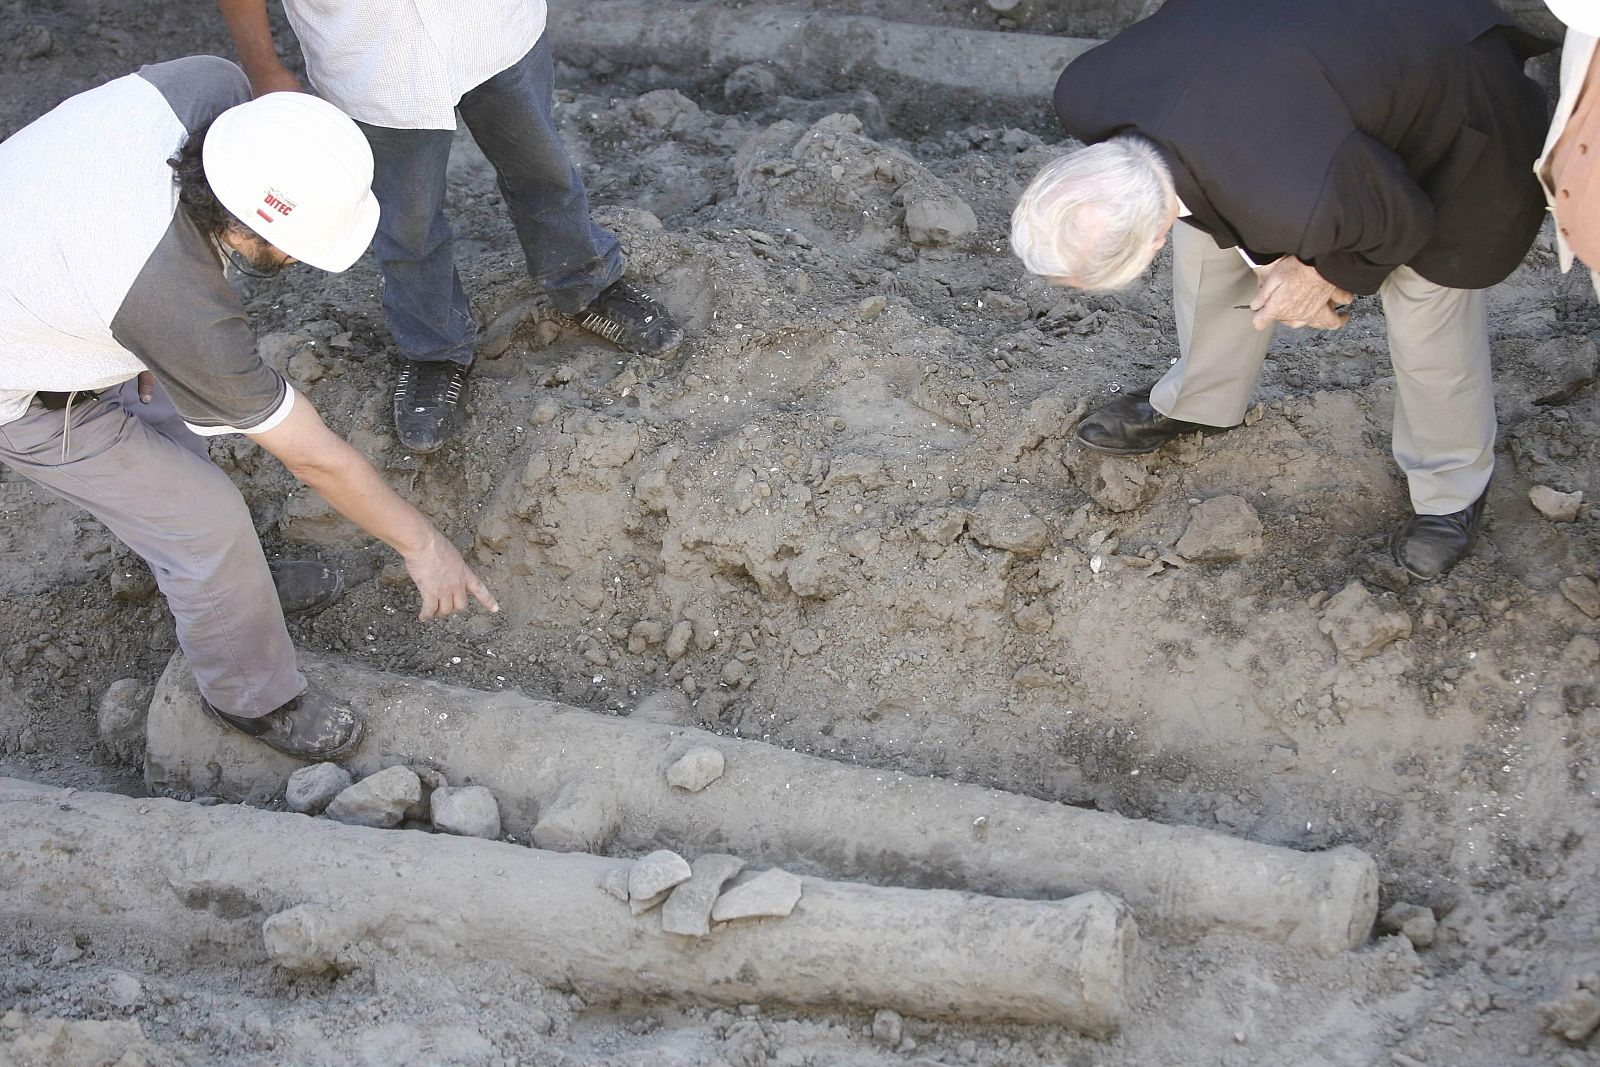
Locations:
{"points": [[194, 191]]}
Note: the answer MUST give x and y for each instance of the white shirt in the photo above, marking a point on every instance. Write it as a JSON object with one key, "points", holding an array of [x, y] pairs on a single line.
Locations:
{"points": [[1576, 55], [405, 64]]}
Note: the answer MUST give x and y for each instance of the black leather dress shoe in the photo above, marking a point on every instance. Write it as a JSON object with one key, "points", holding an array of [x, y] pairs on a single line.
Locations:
{"points": [[1428, 545], [1129, 426]]}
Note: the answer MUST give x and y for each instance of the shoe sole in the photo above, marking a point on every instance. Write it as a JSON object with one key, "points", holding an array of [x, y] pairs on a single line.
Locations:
{"points": [[1105, 451], [321, 605]]}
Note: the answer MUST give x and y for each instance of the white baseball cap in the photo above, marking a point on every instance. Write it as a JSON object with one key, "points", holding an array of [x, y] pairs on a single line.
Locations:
{"points": [[1580, 15], [298, 172]]}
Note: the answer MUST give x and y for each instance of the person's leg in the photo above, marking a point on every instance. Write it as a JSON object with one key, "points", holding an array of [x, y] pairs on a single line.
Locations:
{"points": [[180, 513], [510, 117], [427, 308], [1444, 423], [1220, 351], [423, 300]]}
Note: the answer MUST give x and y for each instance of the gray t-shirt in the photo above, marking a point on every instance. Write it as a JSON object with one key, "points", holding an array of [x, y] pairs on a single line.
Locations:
{"points": [[150, 292]]}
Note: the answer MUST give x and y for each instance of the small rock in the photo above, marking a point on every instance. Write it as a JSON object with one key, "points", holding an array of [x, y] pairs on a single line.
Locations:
{"points": [[1221, 530], [749, 86], [770, 894], [1358, 626], [696, 769], [431, 779], [661, 108], [653, 877], [121, 719], [65, 954], [1583, 593], [1416, 922], [1002, 521], [132, 582], [124, 991], [1574, 1016], [887, 1027], [468, 811], [936, 216], [1555, 506], [678, 640], [378, 800], [1034, 618], [805, 642], [687, 911], [615, 882], [306, 939], [871, 307], [311, 789]]}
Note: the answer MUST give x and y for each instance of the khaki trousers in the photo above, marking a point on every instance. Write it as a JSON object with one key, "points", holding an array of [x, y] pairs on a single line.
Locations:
{"points": [[137, 468], [1444, 423]]}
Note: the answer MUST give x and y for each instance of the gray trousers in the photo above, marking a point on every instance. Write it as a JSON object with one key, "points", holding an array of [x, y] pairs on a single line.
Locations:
{"points": [[1444, 423], [138, 469]]}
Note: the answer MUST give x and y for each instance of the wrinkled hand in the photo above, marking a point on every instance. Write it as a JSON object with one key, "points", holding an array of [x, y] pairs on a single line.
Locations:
{"points": [[1293, 293], [445, 581], [275, 81]]}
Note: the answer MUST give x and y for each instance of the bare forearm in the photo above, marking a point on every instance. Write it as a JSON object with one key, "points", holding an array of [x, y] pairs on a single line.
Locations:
{"points": [[252, 38], [351, 486]]}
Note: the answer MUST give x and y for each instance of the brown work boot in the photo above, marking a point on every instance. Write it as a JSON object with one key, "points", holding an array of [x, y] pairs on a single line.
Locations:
{"points": [[305, 586], [312, 726]]}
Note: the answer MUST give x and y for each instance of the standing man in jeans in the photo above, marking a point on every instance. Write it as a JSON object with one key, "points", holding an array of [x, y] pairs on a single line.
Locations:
{"points": [[403, 69]]}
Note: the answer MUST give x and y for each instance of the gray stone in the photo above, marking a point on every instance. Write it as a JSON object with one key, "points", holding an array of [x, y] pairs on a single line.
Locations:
{"points": [[124, 991], [887, 1027], [688, 910], [1221, 530], [378, 800], [121, 717], [1583, 593], [1416, 922], [1002, 521], [311, 789], [770, 894], [750, 85], [661, 108], [653, 877], [696, 769], [132, 582], [1553, 505], [1358, 626], [936, 216], [431, 779], [470, 811]]}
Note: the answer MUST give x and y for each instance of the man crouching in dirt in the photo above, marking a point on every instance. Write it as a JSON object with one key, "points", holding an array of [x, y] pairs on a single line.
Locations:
{"points": [[124, 348], [1311, 151], [403, 71]]}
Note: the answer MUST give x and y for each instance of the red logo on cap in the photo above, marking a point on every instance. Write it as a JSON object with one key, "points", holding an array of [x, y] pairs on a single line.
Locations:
{"points": [[277, 202]]}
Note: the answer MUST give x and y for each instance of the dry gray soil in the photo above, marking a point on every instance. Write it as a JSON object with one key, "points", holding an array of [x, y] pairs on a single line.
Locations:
{"points": [[855, 484]]}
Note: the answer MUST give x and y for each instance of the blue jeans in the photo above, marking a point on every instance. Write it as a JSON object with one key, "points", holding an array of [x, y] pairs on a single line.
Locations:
{"points": [[569, 257]]}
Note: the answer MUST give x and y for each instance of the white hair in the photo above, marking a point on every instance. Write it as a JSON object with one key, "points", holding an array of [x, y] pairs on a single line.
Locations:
{"points": [[1092, 217]]}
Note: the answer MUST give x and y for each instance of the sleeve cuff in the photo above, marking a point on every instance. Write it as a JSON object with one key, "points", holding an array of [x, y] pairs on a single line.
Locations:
{"points": [[277, 416]]}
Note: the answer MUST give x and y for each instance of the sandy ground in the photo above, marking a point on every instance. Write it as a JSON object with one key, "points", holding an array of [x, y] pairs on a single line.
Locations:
{"points": [[855, 484]]}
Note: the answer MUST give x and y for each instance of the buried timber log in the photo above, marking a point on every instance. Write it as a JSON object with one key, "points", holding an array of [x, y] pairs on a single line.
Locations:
{"points": [[316, 895], [575, 781]]}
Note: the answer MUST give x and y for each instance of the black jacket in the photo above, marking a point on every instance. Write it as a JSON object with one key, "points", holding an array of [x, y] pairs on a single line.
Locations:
{"points": [[1359, 135]]}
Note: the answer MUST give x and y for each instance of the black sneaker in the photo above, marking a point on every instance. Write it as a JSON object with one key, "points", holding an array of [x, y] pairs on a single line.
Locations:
{"points": [[429, 401], [632, 320], [305, 586], [312, 726]]}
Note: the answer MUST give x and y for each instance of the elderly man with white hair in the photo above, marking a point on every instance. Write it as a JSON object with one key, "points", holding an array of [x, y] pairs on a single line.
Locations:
{"points": [[1311, 151]]}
